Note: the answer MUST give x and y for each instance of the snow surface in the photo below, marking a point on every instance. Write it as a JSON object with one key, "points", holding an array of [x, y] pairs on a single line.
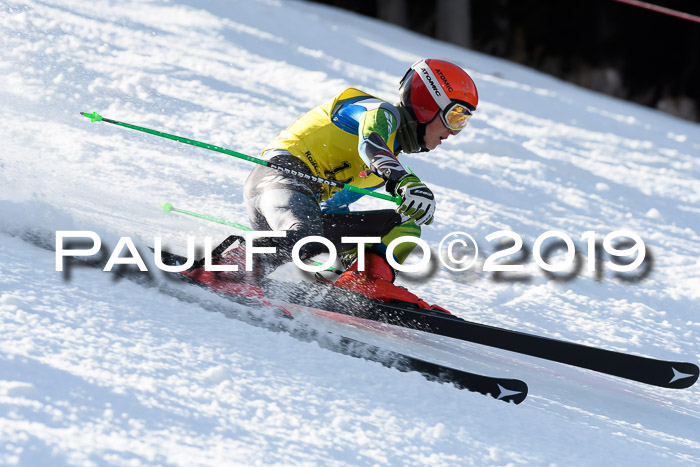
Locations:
{"points": [[96, 371]]}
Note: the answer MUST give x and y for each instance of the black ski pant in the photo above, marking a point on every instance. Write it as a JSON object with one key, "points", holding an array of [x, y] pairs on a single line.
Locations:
{"points": [[279, 201]]}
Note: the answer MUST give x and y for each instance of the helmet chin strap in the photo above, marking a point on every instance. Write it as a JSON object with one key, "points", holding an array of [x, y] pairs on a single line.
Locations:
{"points": [[421, 136]]}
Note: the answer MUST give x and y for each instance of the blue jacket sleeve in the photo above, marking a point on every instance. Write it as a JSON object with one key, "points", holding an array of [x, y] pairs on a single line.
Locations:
{"points": [[340, 202]]}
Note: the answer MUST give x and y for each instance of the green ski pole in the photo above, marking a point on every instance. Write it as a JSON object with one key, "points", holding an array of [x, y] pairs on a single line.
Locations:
{"points": [[95, 117], [168, 207]]}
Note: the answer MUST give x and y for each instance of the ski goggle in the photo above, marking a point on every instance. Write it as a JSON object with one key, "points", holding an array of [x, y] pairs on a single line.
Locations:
{"points": [[456, 116]]}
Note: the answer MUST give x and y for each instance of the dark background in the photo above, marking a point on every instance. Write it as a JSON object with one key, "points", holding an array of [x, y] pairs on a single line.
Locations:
{"points": [[618, 49]]}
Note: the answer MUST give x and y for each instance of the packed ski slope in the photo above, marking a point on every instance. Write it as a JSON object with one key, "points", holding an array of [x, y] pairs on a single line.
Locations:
{"points": [[95, 370]]}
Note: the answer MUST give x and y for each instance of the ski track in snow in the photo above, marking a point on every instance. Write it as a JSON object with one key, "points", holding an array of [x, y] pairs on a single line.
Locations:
{"points": [[99, 371]]}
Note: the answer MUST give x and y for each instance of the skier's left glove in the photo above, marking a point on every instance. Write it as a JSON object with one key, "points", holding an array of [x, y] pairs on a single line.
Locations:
{"points": [[418, 202]]}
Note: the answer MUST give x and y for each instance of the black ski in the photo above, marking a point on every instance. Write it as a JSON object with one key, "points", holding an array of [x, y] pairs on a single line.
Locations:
{"points": [[503, 389], [662, 373]]}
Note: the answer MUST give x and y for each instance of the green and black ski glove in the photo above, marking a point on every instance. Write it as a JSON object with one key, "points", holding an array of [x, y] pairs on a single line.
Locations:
{"points": [[418, 202]]}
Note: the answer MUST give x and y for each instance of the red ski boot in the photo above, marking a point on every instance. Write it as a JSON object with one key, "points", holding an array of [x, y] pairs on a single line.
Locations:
{"points": [[377, 282]]}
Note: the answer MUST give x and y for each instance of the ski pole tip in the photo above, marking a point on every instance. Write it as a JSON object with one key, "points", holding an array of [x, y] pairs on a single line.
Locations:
{"points": [[167, 207], [94, 116]]}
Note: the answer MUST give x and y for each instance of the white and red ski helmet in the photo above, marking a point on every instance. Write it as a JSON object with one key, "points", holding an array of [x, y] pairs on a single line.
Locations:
{"points": [[431, 87]]}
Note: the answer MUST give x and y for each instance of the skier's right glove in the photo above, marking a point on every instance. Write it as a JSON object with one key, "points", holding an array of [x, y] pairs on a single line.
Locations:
{"points": [[417, 201]]}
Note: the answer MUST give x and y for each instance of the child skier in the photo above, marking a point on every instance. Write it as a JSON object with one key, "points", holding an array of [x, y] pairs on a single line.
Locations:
{"points": [[355, 138]]}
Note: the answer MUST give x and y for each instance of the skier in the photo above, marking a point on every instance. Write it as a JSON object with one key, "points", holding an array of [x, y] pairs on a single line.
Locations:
{"points": [[355, 138]]}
